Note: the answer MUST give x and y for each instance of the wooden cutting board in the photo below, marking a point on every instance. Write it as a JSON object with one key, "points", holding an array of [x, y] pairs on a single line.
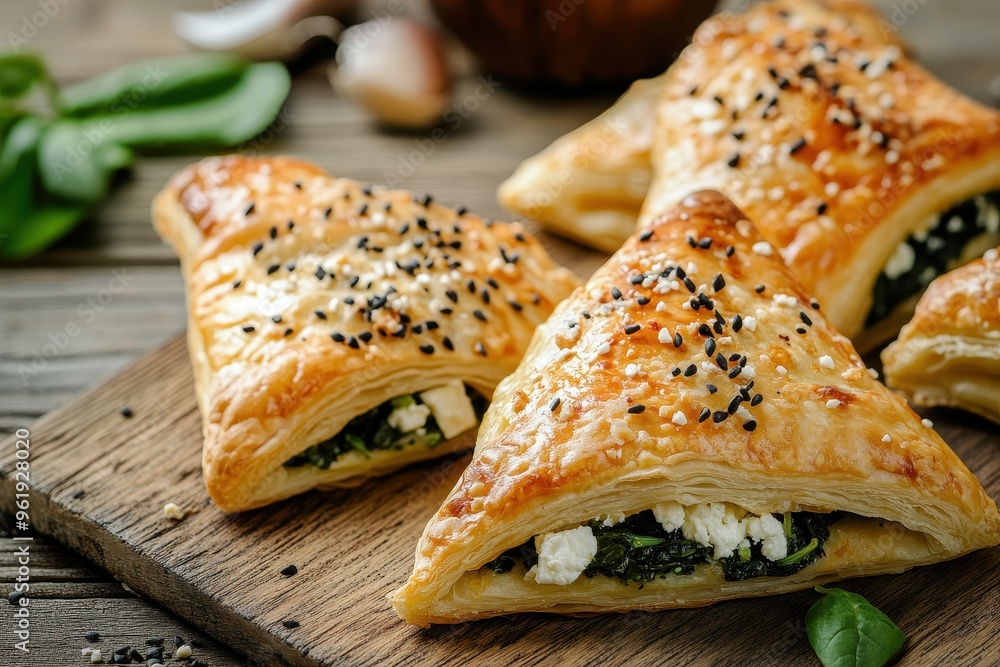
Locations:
{"points": [[100, 480]]}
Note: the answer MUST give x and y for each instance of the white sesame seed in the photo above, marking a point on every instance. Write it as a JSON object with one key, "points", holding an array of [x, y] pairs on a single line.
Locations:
{"points": [[886, 438], [183, 652], [679, 418], [832, 189], [750, 323], [664, 336], [685, 306], [927, 422], [763, 248], [991, 255], [604, 348], [873, 373], [892, 157], [833, 403], [661, 306], [781, 370], [826, 361], [631, 370]]}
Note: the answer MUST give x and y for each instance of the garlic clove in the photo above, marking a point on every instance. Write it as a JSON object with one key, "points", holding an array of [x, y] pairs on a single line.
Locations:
{"points": [[397, 68], [262, 29]]}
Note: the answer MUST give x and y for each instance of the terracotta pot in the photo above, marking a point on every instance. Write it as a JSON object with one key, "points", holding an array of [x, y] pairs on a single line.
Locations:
{"points": [[573, 42]]}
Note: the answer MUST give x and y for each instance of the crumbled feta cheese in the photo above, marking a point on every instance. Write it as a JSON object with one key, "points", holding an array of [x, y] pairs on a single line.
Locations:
{"points": [[768, 531], [409, 418], [95, 656], [714, 525], [563, 556], [901, 261], [451, 407], [679, 418], [670, 515], [173, 511], [763, 248], [612, 519], [826, 361]]}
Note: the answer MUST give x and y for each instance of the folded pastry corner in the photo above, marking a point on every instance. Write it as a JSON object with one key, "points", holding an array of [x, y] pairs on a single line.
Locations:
{"points": [[867, 174], [688, 428], [949, 353], [340, 331]]}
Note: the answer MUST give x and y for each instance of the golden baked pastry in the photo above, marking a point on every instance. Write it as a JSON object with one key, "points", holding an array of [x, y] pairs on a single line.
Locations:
{"points": [[847, 154], [335, 328], [686, 428], [949, 353]]}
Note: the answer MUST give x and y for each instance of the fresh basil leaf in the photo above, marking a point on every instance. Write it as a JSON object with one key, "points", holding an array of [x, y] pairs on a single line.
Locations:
{"points": [[40, 228], [225, 120], [846, 631], [152, 84], [71, 163], [19, 73]]}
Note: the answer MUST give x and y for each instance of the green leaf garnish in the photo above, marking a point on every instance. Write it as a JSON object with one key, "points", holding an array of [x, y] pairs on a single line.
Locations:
{"points": [[845, 630]]}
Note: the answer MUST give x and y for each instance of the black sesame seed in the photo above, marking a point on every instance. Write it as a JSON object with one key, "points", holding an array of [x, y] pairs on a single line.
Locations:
{"points": [[646, 235], [479, 315], [737, 323], [749, 425], [290, 623], [690, 370], [738, 135], [636, 409], [126, 412], [328, 212], [759, 288], [290, 266], [797, 146], [719, 416], [800, 330], [288, 332], [680, 272], [756, 400], [338, 337], [431, 325], [446, 311], [734, 160], [705, 414], [782, 82], [349, 301], [276, 319], [257, 247], [480, 348], [805, 319], [320, 273], [734, 404], [730, 250], [365, 336], [485, 296], [642, 300], [711, 388], [705, 330], [320, 314], [632, 328], [691, 241], [705, 243], [735, 356], [719, 282], [554, 404], [675, 372], [274, 232], [516, 306], [690, 285], [353, 343], [250, 208], [720, 361], [710, 347], [616, 293], [695, 304], [249, 328], [637, 279], [815, 304], [273, 268], [678, 340], [427, 349], [452, 295], [735, 371], [821, 209], [447, 343], [237, 284]]}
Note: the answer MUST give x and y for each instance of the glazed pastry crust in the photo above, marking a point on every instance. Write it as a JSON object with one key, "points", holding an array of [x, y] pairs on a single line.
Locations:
{"points": [[815, 442], [886, 144], [949, 354], [265, 300]]}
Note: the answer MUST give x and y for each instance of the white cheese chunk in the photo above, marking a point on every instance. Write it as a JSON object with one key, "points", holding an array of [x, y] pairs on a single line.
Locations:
{"points": [[768, 531], [901, 261], [451, 407], [670, 515], [410, 418], [563, 556], [714, 525]]}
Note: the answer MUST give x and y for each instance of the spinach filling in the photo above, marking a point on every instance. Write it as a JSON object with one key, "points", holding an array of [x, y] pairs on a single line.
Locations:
{"points": [[367, 432], [935, 252], [640, 550], [371, 431]]}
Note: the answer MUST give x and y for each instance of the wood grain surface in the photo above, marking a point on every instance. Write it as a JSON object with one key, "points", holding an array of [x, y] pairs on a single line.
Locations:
{"points": [[955, 39], [100, 481]]}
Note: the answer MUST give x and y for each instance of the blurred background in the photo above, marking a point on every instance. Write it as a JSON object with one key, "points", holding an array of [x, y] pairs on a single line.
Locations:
{"points": [[442, 96]]}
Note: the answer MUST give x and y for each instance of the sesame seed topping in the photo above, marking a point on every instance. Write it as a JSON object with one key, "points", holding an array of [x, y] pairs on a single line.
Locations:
{"points": [[759, 288], [250, 208], [480, 348], [646, 235], [734, 160], [636, 409], [276, 319], [734, 404], [805, 319], [927, 422], [679, 418], [711, 388], [801, 330], [735, 371], [273, 268], [797, 146], [719, 282], [833, 404], [447, 343], [427, 349], [237, 284], [257, 247], [249, 328], [554, 404], [690, 370], [756, 400], [632, 328], [710, 347], [479, 315], [749, 425], [826, 361], [737, 323], [719, 416], [705, 414], [678, 340], [338, 337], [720, 360], [616, 293]]}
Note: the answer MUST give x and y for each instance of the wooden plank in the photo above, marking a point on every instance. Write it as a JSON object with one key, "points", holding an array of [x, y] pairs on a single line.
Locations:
{"points": [[353, 547]]}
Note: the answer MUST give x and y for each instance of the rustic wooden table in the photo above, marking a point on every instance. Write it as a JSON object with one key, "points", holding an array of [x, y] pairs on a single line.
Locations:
{"points": [[121, 287]]}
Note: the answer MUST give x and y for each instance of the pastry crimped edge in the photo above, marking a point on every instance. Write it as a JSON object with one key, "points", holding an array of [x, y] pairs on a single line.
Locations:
{"points": [[537, 469]]}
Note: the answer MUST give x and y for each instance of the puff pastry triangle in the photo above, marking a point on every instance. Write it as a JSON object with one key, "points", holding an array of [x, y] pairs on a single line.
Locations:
{"points": [[687, 428], [334, 328], [949, 353], [850, 157]]}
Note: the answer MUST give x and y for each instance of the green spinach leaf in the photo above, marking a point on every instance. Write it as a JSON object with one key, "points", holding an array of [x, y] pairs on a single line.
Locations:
{"points": [[19, 73], [846, 631], [77, 164]]}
